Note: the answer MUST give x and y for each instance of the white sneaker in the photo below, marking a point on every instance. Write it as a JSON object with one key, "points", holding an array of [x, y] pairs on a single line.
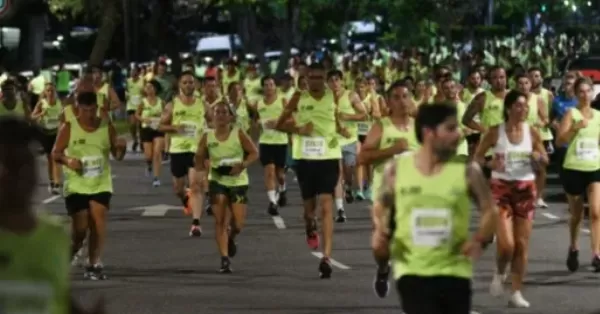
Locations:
{"points": [[541, 204], [517, 300], [497, 285]]}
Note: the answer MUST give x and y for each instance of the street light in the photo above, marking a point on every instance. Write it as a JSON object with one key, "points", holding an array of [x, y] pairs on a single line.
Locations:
{"points": [[574, 7], [589, 3]]}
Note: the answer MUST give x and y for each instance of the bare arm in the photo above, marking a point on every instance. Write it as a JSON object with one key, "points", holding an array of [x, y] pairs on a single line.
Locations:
{"points": [[292, 106], [385, 200], [359, 109], [370, 152], [566, 131], [62, 141], [475, 107], [488, 141], [117, 151], [114, 101], [37, 111], [482, 195], [542, 113], [538, 146], [201, 154], [376, 110], [166, 120], [249, 148]]}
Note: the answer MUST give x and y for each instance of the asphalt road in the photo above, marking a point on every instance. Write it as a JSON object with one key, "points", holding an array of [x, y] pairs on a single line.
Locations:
{"points": [[155, 268]]}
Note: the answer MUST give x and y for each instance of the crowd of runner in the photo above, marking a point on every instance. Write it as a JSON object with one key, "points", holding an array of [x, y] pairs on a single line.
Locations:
{"points": [[420, 152]]}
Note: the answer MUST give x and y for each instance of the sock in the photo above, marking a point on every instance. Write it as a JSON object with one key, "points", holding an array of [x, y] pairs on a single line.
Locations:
{"points": [[339, 203], [196, 222], [272, 196], [282, 188]]}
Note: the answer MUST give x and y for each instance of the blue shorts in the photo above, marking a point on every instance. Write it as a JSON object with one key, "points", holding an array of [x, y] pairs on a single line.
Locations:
{"points": [[349, 152]]}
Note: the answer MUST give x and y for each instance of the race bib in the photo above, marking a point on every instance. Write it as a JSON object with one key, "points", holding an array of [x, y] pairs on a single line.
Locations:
{"points": [[229, 162], [431, 227], [408, 152], [190, 129], [363, 128], [517, 160], [136, 100], [154, 123], [586, 149], [52, 123], [313, 146], [92, 166], [18, 297]]}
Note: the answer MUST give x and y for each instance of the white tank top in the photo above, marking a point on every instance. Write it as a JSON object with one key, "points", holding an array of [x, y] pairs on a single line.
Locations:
{"points": [[517, 157]]}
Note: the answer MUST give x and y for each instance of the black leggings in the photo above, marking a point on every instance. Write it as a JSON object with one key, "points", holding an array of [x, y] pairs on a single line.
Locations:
{"points": [[434, 295]]}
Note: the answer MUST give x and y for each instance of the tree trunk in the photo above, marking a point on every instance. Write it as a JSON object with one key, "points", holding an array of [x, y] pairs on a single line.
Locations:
{"points": [[31, 45], [111, 17], [289, 25]]}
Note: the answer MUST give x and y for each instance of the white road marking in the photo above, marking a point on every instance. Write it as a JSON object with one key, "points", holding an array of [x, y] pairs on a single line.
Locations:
{"points": [[50, 199], [278, 221], [155, 212], [550, 216], [333, 262], [586, 231]]}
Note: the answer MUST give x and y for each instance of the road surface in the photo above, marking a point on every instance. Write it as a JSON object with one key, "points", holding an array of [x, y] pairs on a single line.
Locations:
{"points": [[155, 268]]}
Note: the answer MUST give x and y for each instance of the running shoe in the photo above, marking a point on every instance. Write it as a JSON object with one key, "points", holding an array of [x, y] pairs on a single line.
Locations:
{"points": [[282, 201], [381, 284], [94, 272], [225, 265], [341, 215], [312, 236], [273, 209], [573, 260], [231, 247], [325, 268], [195, 231]]}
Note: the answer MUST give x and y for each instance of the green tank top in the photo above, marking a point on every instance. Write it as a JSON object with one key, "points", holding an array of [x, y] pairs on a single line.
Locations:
{"points": [[228, 79], [545, 97], [389, 135], [134, 92], [271, 112], [192, 119], [18, 110], [363, 127], [226, 153], [63, 79], [152, 112], [492, 113], [432, 221], [242, 116], [467, 95], [69, 113], [463, 147], [345, 106], [28, 285], [51, 120], [323, 144], [532, 114], [92, 149], [582, 153], [253, 89]]}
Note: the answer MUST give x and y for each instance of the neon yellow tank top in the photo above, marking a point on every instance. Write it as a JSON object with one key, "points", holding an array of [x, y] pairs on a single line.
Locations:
{"points": [[134, 92], [227, 79], [51, 120], [345, 106], [152, 112], [92, 149], [18, 110], [492, 113], [69, 113], [253, 89], [432, 221], [390, 134], [545, 97], [28, 285], [271, 112], [226, 153], [242, 116], [192, 119], [467, 95], [363, 127], [582, 153], [323, 144], [463, 147], [532, 114]]}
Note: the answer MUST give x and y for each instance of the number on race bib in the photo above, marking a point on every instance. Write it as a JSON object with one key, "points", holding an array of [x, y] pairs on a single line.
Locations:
{"points": [[154, 123], [586, 149], [190, 129], [517, 160], [229, 161], [363, 128], [431, 227], [92, 166], [313, 146], [52, 123], [136, 100]]}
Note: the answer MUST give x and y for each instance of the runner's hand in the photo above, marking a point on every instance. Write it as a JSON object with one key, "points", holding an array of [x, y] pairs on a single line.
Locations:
{"points": [[400, 146], [306, 129], [472, 249], [74, 164], [580, 125], [236, 169], [496, 165], [270, 124]]}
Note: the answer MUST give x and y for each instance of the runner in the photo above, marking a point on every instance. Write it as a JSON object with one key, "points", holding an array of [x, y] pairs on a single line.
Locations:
{"points": [[351, 111], [537, 117], [430, 248], [108, 100], [82, 146], [389, 137], [364, 172], [11, 103], [317, 153], [272, 145], [449, 91], [239, 103], [472, 89], [135, 87], [580, 130], [26, 284], [184, 119], [230, 151], [47, 113], [148, 113], [518, 150]]}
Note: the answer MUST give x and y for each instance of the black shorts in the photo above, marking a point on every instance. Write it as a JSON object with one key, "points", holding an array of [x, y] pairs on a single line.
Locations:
{"points": [[235, 194], [78, 202], [273, 154], [361, 138], [473, 139], [47, 140], [487, 172], [130, 112], [434, 295], [181, 164], [549, 146], [576, 182], [147, 135], [317, 177]]}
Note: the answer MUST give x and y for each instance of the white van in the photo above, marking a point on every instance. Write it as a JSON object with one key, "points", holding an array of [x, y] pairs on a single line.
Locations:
{"points": [[357, 34], [218, 47]]}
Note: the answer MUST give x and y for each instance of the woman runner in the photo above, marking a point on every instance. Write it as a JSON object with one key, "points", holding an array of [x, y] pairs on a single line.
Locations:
{"points": [[230, 151], [518, 150], [153, 141]]}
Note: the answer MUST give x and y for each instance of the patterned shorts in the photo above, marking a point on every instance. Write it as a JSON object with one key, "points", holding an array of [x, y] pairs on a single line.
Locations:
{"points": [[514, 198]]}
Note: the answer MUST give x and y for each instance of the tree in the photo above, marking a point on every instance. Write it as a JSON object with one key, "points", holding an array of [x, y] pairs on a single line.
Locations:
{"points": [[108, 12]]}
